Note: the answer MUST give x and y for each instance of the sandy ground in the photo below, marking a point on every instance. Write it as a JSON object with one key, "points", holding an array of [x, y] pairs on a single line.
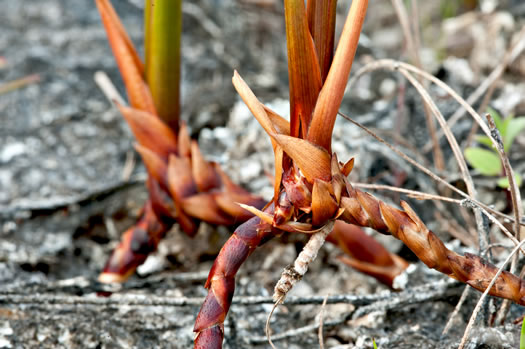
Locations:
{"points": [[64, 201]]}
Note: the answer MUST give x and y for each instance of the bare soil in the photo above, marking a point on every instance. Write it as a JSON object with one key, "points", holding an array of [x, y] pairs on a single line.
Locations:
{"points": [[64, 201]]}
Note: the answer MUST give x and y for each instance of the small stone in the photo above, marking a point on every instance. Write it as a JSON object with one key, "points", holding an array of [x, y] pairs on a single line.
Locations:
{"points": [[11, 151]]}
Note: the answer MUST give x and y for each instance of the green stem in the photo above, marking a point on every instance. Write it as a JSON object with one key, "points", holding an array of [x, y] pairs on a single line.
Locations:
{"points": [[163, 29]]}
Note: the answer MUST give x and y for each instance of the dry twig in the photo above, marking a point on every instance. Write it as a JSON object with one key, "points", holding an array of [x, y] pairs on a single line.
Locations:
{"points": [[467, 202], [516, 204], [321, 321], [484, 295], [412, 40], [509, 57]]}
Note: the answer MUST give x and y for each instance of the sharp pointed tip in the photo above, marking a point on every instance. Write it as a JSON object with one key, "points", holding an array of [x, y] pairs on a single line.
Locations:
{"points": [[139, 148], [111, 278]]}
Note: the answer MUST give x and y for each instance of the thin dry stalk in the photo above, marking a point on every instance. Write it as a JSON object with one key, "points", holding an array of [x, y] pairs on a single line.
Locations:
{"points": [[509, 57], [419, 195], [455, 313], [108, 88], [483, 107], [19, 83], [458, 154], [267, 328], [393, 65], [404, 68], [294, 273], [321, 321], [129, 166], [455, 230], [516, 206], [413, 50], [396, 65], [485, 293], [460, 159], [468, 201]]}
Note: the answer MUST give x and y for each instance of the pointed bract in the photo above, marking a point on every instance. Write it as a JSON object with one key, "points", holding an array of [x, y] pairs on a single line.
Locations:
{"points": [[180, 178], [184, 146], [324, 206], [155, 165], [348, 167], [252, 103], [204, 172], [228, 202], [313, 161], [281, 125], [204, 207], [150, 131]]}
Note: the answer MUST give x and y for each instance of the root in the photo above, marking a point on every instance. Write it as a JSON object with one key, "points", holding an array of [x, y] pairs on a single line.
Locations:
{"points": [[294, 273]]}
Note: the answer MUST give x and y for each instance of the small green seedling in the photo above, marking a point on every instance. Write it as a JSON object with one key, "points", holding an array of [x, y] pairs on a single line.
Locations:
{"points": [[487, 161], [375, 345], [522, 336]]}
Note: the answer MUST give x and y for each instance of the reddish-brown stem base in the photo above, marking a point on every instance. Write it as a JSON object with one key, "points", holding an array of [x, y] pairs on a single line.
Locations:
{"points": [[209, 326]]}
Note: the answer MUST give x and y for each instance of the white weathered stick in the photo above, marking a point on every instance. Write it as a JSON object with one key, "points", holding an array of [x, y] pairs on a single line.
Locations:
{"points": [[294, 273]]}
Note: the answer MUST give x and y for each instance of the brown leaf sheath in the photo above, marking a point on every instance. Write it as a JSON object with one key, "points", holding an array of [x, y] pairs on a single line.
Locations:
{"points": [[331, 95], [209, 326], [183, 188], [363, 209], [136, 244], [303, 67], [321, 22], [364, 253]]}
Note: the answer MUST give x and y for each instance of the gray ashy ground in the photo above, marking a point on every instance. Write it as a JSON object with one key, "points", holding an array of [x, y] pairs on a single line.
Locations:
{"points": [[62, 199]]}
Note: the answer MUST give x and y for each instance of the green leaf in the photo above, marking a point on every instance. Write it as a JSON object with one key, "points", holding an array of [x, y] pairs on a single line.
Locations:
{"points": [[485, 140], [375, 345], [503, 182], [514, 127], [485, 161], [522, 336]]}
